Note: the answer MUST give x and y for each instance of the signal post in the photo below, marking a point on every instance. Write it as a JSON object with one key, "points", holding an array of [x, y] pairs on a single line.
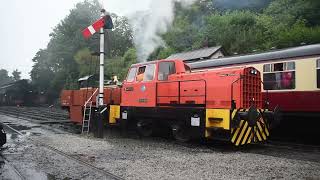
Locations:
{"points": [[105, 22]]}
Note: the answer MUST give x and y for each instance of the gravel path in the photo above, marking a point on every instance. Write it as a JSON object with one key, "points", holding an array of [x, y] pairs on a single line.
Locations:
{"points": [[157, 158]]}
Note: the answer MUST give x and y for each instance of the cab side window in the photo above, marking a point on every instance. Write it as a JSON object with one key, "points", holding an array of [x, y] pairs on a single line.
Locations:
{"points": [[318, 73], [140, 73], [131, 74], [149, 73], [146, 73], [279, 76], [165, 69]]}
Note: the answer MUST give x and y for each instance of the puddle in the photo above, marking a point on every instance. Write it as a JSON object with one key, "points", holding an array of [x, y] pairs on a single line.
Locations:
{"points": [[12, 137], [35, 126], [6, 122], [35, 174], [6, 171], [35, 134]]}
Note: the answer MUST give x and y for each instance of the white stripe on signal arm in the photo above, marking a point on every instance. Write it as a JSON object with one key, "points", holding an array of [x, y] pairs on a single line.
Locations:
{"points": [[91, 29]]}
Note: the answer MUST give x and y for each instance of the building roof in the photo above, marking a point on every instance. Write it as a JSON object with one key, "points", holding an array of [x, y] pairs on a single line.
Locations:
{"points": [[12, 85], [300, 51], [196, 54], [6, 86], [85, 78]]}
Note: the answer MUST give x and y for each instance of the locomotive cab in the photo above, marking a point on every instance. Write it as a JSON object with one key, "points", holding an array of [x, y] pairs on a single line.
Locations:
{"points": [[140, 87]]}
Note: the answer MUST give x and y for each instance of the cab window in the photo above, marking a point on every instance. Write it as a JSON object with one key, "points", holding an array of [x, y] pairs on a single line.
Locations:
{"points": [[146, 73], [165, 69], [187, 69], [318, 73], [279, 76], [131, 74], [149, 73]]}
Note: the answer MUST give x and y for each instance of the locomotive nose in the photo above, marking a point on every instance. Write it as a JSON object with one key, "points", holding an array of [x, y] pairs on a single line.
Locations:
{"points": [[251, 116], [249, 126]]}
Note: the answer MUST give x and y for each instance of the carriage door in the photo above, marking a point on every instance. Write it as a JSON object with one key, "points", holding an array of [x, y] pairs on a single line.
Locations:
{"points": [[141, 91]]}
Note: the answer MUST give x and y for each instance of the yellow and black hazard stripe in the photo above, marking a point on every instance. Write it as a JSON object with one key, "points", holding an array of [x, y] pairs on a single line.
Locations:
{"points": [[245, 134]]}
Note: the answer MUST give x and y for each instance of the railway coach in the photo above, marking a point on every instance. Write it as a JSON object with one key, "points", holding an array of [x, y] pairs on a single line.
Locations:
{"points": [[291, 81], [224, 103]]}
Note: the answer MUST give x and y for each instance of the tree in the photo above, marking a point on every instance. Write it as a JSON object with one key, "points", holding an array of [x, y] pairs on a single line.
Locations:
{"points": [[86, 62], [67, 56], [4, 77], [16, 75], [120, 66]]}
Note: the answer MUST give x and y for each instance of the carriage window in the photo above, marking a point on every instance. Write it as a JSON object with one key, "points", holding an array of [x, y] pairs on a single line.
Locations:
{"points": [[278, 67], [267, 68], [165, 69], [279, 76], [131, 74], [290, 66], [318, 73]]}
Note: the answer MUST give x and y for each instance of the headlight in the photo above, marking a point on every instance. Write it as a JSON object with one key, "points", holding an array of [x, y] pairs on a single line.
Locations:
{"points": [[253, 71]]}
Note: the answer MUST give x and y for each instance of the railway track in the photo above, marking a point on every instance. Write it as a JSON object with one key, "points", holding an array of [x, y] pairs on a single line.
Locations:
{"points": [[105, 173], [40, 114], [51, 115]]}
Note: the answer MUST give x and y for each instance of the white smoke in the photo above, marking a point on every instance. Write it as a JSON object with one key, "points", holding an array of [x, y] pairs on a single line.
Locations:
{"points": [[149, 25]]}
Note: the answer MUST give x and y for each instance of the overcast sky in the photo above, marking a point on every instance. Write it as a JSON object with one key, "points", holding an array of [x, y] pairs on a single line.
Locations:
{"points": [[26, 24]]}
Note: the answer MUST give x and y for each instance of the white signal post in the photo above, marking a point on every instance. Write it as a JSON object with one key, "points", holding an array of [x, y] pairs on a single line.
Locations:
{"points": [[101, 81]]}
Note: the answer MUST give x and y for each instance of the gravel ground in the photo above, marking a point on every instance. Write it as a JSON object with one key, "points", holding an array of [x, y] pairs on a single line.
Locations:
{"points": [[157, 158]]}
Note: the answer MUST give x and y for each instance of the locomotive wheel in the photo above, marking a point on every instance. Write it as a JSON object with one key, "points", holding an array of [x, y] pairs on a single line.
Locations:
{"points": [[180, 133], [144, 128]]}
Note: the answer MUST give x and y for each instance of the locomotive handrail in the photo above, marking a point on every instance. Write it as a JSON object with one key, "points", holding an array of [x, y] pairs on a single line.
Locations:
{"points": [[241, 77], [85, 104]]}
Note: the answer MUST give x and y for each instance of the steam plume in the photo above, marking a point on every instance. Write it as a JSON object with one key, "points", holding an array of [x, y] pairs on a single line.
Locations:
{"points": [[149, 25]]}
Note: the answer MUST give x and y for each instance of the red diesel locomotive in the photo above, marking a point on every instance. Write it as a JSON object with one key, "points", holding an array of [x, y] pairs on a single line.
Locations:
{"points": [[212, 103]]}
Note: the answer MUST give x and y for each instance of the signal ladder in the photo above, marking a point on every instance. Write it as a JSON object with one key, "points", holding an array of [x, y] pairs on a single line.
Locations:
{"points": [[87, 114]]}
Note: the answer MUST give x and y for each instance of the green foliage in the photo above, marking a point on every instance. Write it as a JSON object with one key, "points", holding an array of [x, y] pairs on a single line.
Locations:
{"points": [[120, 38], [86, 62], [4, 77], [236, 31], [119, 66], [244, 27], [165, 52], [16, 75]]}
